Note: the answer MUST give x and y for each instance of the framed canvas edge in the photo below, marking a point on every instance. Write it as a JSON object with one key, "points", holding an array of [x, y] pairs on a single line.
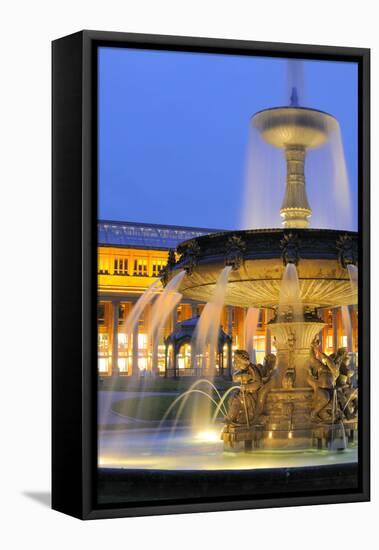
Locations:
{"points": [[87, 509]]}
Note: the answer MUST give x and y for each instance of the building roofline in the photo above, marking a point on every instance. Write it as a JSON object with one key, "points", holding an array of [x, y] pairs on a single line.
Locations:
{"points": [[159, 225]]}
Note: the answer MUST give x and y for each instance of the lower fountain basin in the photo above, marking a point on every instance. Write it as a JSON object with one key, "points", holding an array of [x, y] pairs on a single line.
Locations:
{"points": [[258, 258], [184, 450]]}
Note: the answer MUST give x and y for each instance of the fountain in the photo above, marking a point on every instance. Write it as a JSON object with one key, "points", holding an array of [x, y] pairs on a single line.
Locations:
{"points": [[301, 398]]}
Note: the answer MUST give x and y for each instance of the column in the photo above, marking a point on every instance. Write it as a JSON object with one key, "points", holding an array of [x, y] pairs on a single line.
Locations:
{"points": [[268, 337], [321, 333], [230, 320], [193, 310], [335, 330], [354, 327], [350, 336], [115, 306], [230, 333], [243, 333], [193, 350], [174, 319], [135, 369]]}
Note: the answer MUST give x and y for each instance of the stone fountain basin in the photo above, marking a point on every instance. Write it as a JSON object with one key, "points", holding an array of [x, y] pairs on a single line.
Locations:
{"points": [[256, 283], [294, 126]]}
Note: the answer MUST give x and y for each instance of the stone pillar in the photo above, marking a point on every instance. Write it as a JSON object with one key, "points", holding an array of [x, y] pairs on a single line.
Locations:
{"points": [[230, 321], [115, 306], [135, 369], [350, 336], [321, 335], [335, 330], [174, 318], [230, 333], [193, 310], [268, 336], [295, 209], [354, 327]]}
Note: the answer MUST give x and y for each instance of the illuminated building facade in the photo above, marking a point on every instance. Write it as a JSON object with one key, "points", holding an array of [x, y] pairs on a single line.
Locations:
{"points": [[130, 257]]}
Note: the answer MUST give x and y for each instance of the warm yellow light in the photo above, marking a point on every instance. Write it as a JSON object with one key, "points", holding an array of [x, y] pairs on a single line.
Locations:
{"points": [[289, 435], [270, 435], [210, 436]]}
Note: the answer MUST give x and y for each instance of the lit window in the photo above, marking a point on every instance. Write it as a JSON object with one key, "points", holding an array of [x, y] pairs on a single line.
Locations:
{"points": [[179, 314], [329, 342], [102, 268], [142, 363], [103, 353], [103, 365], [184, 357], [122, 341], [259, 347], [122, 364], [140, 267], [101, 313], [330, 319], [157, 266], [142, 341], [103, 343], [120, 266], [121, 313]]}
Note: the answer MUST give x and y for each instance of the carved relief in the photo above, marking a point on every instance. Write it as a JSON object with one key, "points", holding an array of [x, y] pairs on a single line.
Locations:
{"points": [[347, 251], [164, 274], [190, 256], [290, 245], [235, 248]]}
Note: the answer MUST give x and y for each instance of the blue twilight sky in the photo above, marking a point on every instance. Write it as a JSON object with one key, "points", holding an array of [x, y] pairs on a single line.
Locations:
{"points": [[174, 128]]}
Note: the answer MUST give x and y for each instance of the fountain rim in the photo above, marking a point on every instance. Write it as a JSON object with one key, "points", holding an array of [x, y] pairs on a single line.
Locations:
{"points": [[294, 108], [266, 231]]}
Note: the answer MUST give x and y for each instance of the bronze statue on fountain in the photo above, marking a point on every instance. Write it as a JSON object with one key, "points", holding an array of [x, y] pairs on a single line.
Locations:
{"points": [[330, 376], [246, 403]]}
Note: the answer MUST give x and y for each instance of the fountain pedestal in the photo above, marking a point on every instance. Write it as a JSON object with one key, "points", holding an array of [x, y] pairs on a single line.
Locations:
{"points": [[285, 405]]}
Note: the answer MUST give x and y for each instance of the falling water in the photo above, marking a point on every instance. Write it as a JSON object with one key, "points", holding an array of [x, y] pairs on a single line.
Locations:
{"points": [[338, 442], [139, 307], [295, 82], [289, 294], [205, 340], [162, 309], [131, 324], [130, 328], [250, 329], [265, 177], [181, 401], [346, 322], [353, 276], [325, 172], [206, 335], [221, 405]]}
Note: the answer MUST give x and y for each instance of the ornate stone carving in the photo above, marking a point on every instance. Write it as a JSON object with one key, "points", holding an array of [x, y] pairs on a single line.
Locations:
{"points": [[290, 245], [347, 250], [242, 406], [335, 397], [166, 270], [289, 377], [235, 248], [190, 256]]}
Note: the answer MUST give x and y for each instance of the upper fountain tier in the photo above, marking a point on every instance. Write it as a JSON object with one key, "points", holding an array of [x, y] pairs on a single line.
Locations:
{"points": [[285, 127], [295, 129], [258, 258]]}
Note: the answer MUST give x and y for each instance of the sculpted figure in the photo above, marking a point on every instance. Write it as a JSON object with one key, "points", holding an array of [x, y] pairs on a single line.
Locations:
{"points": [[347, 394], [323, 374], [290, 374], [242, 405]]}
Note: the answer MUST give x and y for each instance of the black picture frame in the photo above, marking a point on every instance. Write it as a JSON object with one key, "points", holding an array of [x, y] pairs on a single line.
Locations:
{"points": [[74, 230]]}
